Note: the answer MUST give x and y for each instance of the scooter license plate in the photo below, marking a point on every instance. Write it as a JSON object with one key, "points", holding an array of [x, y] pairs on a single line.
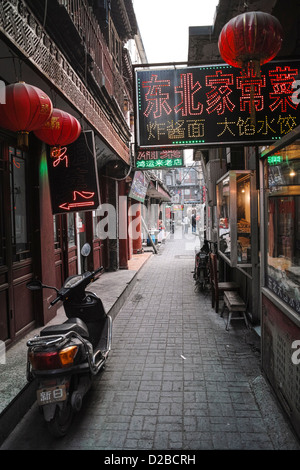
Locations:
{"points": [[51, 394]]}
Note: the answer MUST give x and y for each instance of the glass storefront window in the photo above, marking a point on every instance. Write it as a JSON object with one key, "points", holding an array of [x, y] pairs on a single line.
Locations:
{"points": [[2, 217], [19, 221], [243, 219], [71, 230], [56, 232], [234, 217], [224, 217], [97, 223], [283, 238], [284, 171]]}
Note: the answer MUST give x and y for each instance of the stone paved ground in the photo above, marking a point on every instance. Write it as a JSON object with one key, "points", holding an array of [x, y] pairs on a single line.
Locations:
{"points": [[176, 379]]}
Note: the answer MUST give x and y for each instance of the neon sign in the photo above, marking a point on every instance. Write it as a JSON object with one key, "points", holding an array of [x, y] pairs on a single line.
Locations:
{"points": [[73, 177], [59, 154], [79, 204], [211, 105], [164, 158], [275, 159]]}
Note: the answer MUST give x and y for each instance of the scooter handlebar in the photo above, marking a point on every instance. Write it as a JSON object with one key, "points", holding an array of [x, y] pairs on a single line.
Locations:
{"points": [[97, 271], [62, 295], [64, 292], [53, 302]]}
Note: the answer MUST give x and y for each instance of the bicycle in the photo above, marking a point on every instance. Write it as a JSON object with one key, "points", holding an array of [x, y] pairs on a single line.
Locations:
{"points": [[202, 266]]}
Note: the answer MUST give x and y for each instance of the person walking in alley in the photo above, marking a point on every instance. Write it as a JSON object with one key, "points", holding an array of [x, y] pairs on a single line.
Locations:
{"points": [[186, 224], [194, 221]]}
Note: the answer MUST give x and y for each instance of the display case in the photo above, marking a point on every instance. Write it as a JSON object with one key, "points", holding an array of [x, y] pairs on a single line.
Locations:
{"points": [[235, 195]]}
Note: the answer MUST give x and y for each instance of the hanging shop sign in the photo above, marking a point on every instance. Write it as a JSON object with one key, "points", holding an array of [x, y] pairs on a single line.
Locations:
{"points": [[211, 105], [139, 186], [73, 177], [156, 159]]}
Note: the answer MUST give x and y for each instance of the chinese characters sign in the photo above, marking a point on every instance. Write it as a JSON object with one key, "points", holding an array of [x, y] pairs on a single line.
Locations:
{"points": [[210, 105], [72, 176], [155, 159]]}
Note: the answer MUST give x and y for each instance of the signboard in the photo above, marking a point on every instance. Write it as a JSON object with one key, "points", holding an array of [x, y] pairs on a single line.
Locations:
{"points": [[139, 186], [155, 159], [210, 105], [73, 177]]}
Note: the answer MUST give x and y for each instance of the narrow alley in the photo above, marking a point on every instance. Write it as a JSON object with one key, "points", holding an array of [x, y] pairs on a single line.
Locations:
{"points": [[175, 379]]}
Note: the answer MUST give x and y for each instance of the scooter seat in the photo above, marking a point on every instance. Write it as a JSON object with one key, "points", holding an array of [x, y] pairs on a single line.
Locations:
{"points": [[72, 324]]}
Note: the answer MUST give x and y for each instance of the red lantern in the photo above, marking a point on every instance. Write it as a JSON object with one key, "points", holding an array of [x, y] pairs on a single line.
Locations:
{"points": [[26, 108], [250, 37], [60, 129], [248, 41]]}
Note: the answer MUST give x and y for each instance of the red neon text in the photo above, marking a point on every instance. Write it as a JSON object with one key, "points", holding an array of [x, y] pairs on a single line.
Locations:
{"points": [[59, 154], [219, 97]]}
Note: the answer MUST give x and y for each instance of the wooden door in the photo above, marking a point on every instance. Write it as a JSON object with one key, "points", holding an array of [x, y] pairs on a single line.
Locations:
{"points": [[16, 305]]}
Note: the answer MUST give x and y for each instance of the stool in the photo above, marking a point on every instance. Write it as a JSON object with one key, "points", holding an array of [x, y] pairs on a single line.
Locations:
{"points": [[234, 304]]}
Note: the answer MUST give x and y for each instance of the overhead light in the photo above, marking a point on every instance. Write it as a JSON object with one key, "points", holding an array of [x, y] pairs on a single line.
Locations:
{"points": [[292, 172]]}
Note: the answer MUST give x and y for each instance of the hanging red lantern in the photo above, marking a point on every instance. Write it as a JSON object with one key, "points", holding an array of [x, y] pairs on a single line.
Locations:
{"points": [[60, 129], [26, 108], [250, 38], [248, 41]]}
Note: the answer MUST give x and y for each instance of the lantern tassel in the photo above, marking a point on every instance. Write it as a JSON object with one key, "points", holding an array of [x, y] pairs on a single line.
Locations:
{"points": [[22, 140], [256, 68]]}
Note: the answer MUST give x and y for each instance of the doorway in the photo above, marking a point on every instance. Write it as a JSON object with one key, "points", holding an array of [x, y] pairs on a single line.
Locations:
{"points": [[65, 246], [16, 264]]}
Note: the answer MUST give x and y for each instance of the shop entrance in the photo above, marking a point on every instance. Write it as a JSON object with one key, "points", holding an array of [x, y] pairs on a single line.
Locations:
{"points": [[16, 309], [65, 246], [71, 232]]}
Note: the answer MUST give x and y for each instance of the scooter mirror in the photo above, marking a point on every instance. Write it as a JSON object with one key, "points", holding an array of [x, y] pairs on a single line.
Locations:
{"points": [[34, 285], [86, 249]]}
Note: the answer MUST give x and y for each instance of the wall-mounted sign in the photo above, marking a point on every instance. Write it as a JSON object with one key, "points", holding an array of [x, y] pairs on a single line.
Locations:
{"points": [[210, 105], [139, 186], [155, 159], [73, 177]]}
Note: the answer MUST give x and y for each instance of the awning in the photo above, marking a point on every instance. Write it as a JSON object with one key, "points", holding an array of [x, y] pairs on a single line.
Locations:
{"points": [[156, 191]]}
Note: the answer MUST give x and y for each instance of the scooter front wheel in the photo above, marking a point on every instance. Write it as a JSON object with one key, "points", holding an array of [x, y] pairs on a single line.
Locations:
{"points": [[59, 425]]}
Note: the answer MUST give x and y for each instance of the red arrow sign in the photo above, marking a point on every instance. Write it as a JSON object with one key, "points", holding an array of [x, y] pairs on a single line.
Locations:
{"points": [[84, 194], [67, 206]]}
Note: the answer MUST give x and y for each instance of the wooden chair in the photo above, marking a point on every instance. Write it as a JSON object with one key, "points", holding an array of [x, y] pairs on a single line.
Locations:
{"points": [[218, 288]]}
